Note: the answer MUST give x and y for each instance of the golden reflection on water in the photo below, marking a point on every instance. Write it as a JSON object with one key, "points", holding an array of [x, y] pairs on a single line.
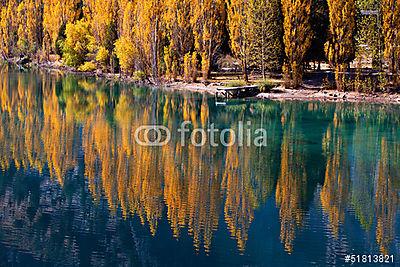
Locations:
{"points": [[43, 125]]}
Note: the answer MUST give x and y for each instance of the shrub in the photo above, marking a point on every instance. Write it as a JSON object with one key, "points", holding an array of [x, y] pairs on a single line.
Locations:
{"points": [[88, 67], [124, 49], [102, 56], [139, 75], [266, 86], [190, 67], [235, 84], [78, 43]]}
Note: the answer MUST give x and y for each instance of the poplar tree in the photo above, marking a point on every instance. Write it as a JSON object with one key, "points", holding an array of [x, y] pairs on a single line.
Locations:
{"points": [[340, 48], [52, 23], [124, 47], [102, 15], [208, 22], [179, 35], [297, 38], [29, 14], [239, 27], [369, 37], [8, 28], [148, 34]]}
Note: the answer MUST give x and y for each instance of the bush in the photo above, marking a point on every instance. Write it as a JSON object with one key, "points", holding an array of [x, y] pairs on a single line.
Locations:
{"points": [[78, 43], [190, 67], [266, 86], [88, 67], [102, 56], [124, 49], [139, 75], [235, 84]]}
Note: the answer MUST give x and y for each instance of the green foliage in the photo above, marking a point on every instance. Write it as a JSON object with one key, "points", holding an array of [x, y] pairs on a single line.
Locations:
{"points": [[266, 86], [78, 43], [266, 51], [369, 33], [235, 84]]}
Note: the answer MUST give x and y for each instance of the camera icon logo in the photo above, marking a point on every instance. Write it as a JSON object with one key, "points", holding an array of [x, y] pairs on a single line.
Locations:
{"points": [[152, 135]]}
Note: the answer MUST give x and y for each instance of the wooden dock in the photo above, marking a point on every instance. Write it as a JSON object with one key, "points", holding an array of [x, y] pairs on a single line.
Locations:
{"points": [[237, 92]]}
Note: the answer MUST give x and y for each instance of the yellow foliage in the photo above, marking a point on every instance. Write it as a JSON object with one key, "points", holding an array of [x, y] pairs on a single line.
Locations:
{"points": [[102, 55], [125, 51], [78, 44], [208, 20], [391, 34], [87, 67], [296, 38], [340, 48], [190, 67]]}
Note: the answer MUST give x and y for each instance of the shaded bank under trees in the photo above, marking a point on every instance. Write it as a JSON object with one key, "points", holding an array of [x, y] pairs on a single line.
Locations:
{"points": [[181, 39]]}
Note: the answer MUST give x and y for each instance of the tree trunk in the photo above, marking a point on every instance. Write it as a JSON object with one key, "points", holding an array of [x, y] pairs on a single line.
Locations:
{"points": [[155, 52], [244, 70]]}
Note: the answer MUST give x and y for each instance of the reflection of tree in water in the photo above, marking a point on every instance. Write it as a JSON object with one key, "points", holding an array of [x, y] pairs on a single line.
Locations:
{"points": [[386, 195], [69, 130], [362, 177], [336, 188], [292, 183]]}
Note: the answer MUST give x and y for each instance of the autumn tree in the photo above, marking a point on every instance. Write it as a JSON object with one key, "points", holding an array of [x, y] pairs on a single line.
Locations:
{"points": [[8, 28], [208, 22], [391, 34], [140, 35], [340, 48], [55, 16], [239, 27], [124, 46], [296, 38], [179, 35], [29, 14], [369, 38], [102, 15]]}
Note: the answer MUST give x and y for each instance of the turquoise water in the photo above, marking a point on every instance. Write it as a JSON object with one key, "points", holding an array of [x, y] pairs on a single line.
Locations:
{"points": [[77, 189]]}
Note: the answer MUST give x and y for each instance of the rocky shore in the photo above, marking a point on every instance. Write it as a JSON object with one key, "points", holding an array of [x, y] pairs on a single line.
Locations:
{"points": [[281, 94]]}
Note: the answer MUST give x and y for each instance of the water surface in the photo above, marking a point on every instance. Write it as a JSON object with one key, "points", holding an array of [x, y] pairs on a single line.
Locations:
{"points": [[76, 189]]}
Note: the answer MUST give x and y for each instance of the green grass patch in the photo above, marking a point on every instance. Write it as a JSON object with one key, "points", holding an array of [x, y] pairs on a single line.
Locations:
{"points": [[266, 86], [235, 84]]}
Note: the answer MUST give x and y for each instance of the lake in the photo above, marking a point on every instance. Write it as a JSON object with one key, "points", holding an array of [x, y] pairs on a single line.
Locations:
{"points": [[76, 188]]}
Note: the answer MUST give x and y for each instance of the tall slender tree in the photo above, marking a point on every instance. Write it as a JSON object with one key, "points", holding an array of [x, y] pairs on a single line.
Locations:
{"points": [[340, 48], [8, 28], [296, 38], [266, 30], [179, 35], [239, 26], [208, 22]]}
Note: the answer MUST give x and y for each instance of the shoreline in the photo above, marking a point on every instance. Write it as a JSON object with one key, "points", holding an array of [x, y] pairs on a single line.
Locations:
{"points": [[278, 93], [282, 94]]}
